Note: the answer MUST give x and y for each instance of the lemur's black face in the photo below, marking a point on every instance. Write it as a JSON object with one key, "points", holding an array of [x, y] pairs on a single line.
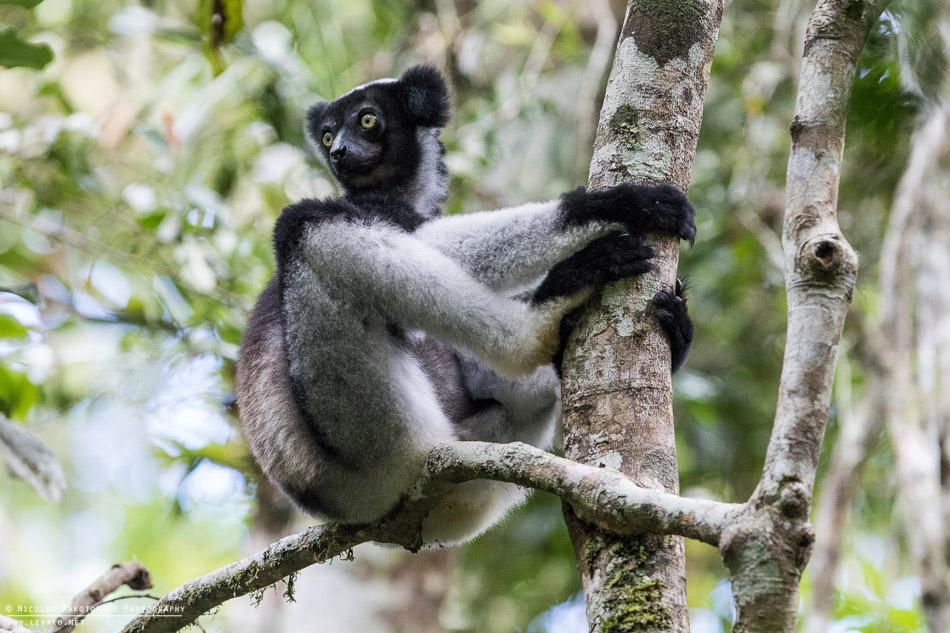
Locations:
{"points": [[369, 136]]}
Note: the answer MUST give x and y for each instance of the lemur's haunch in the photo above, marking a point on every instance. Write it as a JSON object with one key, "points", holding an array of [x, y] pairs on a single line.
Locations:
{"points": [[388, 329]]}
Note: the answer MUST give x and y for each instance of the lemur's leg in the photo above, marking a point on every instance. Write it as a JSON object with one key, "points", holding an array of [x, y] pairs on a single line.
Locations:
{"points": [[513, 247], [392, 276], [529, 405], [531, 402]]}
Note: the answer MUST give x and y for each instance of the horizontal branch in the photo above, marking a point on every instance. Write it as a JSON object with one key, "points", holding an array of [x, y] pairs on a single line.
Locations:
{"points": [[602, 497], [607, 498]]}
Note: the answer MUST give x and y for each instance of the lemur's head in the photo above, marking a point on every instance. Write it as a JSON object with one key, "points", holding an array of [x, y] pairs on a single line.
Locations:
{"points": [[384, 136]]}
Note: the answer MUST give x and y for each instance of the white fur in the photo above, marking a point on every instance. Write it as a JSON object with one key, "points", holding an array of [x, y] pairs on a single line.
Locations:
{"points": [[377, 82], [511, 247]]}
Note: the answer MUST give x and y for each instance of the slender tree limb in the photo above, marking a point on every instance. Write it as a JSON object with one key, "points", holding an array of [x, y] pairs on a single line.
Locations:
{"points": [[131, 573], [767, 550], [184, 605], [602, 497], [605, 498], [859, 433], [30, 460], [913, 260]]}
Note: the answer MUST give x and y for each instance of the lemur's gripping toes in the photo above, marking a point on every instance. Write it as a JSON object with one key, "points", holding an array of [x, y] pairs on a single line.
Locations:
{"points": [[388, 329]]}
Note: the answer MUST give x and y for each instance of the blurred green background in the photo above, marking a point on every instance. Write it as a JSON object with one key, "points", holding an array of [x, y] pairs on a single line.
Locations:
{"points": [[141, 171]]}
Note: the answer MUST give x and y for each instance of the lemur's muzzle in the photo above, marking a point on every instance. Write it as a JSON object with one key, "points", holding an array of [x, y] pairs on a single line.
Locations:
{"points": [[348, 155]]}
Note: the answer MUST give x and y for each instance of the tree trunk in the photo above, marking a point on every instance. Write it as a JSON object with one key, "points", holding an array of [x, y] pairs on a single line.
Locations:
{"points": [[616, 392]]}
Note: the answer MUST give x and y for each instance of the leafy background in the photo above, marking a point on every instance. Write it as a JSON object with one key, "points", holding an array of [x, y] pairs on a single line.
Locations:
{"points": [[146, 149]]}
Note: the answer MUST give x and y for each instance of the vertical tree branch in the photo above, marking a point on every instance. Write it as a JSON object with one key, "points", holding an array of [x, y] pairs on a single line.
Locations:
{"points": [[916, 243], [767, 550], [616, 390], [859, 432]]}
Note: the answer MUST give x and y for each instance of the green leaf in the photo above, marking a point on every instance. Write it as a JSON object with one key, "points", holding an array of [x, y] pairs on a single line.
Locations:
{"points": [[10, 328], [26, 4], [17, 393], [16, 52]]}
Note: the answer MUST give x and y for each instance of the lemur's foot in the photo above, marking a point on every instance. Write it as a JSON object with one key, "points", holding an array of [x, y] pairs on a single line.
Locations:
{"points": [[670, 307], [609, 258], [568, 324], [640, 208]]}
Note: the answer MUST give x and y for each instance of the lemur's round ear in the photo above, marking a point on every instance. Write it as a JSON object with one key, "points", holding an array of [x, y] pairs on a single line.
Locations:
{"points": [[427, 98], [314, 119]]}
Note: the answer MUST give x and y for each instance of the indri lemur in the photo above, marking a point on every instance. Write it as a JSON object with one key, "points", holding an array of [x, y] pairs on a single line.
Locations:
{"points": [[388, 329]]}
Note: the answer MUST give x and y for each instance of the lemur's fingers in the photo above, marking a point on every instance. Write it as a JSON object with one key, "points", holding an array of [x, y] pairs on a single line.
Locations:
{"points": [[670, 305], [610, 258], [640, 208]]}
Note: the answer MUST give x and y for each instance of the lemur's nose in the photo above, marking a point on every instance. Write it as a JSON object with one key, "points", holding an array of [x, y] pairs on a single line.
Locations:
{"points": [[338, 152]]}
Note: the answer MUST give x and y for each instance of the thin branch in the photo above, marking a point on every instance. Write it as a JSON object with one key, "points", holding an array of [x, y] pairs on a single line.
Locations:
{"points": [[182, 606], [914, 247], [767, 550], [30, 460], [131, 573], [605, 498], [860, 430]]}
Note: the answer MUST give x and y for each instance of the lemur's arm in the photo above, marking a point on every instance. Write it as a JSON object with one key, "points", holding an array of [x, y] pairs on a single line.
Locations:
{"points": [[511, 247], [508, 248], [392, 276]]}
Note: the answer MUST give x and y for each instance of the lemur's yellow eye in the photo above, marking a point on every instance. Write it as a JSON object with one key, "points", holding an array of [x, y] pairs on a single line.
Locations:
{"points": [[368, 121], [328, 139]]}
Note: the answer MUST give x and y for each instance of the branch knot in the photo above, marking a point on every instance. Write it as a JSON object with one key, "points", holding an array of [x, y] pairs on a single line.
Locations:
{"points": [[829, 259]]}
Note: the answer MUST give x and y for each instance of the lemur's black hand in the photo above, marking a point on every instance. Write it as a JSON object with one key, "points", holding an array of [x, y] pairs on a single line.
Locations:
{"points": [[640, 208], [670, 307], [609, 258]]}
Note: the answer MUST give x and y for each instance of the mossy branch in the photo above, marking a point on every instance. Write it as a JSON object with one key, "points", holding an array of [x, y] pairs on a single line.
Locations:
{"points": [[603, 497]]}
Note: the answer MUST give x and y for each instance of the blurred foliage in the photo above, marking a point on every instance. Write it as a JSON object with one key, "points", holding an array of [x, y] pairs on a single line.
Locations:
{"points": [[14, 51], [142, 170]]}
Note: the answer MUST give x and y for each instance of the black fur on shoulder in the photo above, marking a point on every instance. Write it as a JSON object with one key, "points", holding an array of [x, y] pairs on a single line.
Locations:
{"points": [[426, 96], [670, 305], [610, 258], [295, 218], [640, 208], [378, 206]]}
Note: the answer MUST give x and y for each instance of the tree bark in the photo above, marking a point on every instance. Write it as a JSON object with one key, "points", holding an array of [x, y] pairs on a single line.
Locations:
{"points": [[768, 548], [617, 396]]}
